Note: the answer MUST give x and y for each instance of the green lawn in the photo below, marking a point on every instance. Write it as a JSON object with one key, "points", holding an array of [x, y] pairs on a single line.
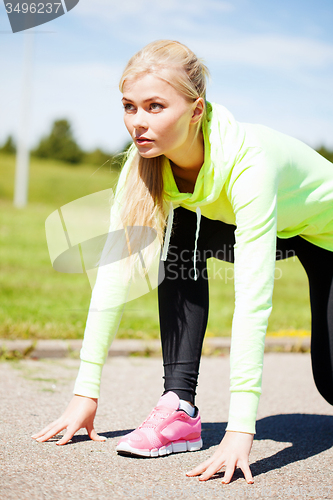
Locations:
{"points": [[38, 302]]}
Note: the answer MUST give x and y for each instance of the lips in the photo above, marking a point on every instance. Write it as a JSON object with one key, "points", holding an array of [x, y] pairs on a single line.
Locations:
{"points": [[143, 141]]}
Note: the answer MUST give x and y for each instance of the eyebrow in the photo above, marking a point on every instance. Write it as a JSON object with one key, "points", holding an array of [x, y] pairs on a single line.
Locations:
{"points": [[154, 98]]}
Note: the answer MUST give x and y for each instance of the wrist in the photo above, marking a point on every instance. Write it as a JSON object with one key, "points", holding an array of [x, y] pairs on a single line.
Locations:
{"points": [[87, 397], [240, 432], [88, 379]]}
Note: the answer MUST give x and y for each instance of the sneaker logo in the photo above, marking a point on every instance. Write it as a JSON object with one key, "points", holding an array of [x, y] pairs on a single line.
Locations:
{"points": [[28, 14]]}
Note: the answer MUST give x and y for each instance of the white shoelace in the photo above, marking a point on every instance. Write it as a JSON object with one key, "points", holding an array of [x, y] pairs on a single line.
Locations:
{"points": [[168, 235]]}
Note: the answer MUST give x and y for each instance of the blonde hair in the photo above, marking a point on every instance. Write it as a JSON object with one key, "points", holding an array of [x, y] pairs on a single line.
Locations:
{"points": [[143, 194]]}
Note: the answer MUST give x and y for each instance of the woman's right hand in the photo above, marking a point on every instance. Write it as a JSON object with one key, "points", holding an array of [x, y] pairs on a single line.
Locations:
{"points": [[79, 413], [234, 450]]}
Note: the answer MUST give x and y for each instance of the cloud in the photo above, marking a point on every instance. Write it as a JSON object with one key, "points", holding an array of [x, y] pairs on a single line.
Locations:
{"points": [[90, 73], [133, 22], [88, 94], [208, 30], [143, 10], [277, 52], [265, 60]]}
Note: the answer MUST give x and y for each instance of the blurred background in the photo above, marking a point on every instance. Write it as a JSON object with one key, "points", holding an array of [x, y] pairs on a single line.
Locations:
{"points": [[270, 63]]}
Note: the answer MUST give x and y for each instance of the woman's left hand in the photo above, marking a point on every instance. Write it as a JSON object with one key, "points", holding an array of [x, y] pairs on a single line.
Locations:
{"points": [[234, 450]]}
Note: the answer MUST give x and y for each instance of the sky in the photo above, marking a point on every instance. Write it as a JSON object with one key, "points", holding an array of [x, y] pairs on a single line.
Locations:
{"points": [[270, 63]]}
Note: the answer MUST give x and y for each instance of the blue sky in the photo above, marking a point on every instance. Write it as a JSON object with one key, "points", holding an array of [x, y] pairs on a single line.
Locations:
{"points": [[270, 63]]}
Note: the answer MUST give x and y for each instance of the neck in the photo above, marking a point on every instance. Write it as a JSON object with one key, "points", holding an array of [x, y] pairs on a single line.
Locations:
{"points": [[187, 168], [187, 163]]}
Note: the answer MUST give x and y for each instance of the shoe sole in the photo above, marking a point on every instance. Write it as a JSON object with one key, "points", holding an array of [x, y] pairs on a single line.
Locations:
{"points": [[174, 447]]}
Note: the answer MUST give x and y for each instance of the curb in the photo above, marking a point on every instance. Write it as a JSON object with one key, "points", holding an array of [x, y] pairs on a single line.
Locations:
{"points": [[10, 349]]}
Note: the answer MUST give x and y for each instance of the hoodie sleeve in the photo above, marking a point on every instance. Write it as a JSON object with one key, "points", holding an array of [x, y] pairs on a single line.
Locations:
{"points": [[105, 311], [253, 195]]}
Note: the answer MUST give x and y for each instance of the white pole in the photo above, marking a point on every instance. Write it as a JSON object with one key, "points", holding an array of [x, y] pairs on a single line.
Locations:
{"points": [[22, 155]]}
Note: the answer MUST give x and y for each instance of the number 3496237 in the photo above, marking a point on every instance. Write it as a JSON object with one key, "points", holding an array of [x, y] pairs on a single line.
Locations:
{"points": [[33, 8]]}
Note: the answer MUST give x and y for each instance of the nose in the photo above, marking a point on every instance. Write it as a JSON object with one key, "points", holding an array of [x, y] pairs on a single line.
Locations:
{"points": [[140, 120]]}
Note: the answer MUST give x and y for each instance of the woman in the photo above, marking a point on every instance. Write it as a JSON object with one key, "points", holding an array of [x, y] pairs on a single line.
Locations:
{"points": [[234, 187]]}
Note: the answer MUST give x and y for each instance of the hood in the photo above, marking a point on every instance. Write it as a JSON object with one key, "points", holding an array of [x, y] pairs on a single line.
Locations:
{"points": [[223, 139]]}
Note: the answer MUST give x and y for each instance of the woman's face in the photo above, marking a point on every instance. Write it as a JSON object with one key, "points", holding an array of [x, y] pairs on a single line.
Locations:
{"points": [[157, 117]]}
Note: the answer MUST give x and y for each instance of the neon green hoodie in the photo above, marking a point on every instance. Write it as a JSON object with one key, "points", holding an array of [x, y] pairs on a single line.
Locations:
{"points": [[267, 184]]}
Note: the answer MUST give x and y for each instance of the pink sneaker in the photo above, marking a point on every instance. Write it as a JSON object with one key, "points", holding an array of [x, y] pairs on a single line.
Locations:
{"points": [[166, 430]]}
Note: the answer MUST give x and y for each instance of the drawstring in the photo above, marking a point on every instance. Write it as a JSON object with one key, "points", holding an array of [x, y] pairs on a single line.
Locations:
{"points": [[167, 233], [198, 211]]}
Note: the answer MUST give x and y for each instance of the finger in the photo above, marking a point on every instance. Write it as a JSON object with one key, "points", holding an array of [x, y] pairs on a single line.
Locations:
{"points": [[43, 431], [199, 469], [247, 472], [212, 469], [94, 436], [68, 436], [229, 472], [52, 432], [203, 466]]}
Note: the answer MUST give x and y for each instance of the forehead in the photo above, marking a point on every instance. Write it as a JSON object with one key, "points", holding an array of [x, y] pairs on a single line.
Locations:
{"points": [[149, 84]]}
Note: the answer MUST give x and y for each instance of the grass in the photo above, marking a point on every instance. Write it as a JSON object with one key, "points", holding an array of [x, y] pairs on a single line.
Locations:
{"points": [[36, 302], [291, 309]]}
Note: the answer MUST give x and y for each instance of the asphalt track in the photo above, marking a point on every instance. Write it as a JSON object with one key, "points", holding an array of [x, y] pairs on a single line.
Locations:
{"points": [[292, 455]]}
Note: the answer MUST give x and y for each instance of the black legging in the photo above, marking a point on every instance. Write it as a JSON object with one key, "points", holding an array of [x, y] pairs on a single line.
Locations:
{"points": [[183, 302]]}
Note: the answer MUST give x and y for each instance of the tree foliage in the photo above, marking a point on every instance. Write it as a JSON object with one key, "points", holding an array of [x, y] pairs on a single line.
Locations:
{"points": [[104, 159], [9, 146], [326, 153], [59, 144], [98, 157]]}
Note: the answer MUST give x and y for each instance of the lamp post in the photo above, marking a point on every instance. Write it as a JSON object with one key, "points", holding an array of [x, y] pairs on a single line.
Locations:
{"points": [[22, 155]]}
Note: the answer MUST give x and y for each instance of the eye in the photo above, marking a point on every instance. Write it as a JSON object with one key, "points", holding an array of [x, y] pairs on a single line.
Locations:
{"points": [[155, 106], [128, 107]]}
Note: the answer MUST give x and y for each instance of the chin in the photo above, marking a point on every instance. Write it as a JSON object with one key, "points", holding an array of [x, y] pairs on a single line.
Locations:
{"points": [[148, 154]]}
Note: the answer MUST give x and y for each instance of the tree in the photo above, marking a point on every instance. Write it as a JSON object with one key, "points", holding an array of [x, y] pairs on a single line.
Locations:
{"points": [[119, 159], [108, 160], [8, 146], [60, 144], [326, 153], [98, 157]]}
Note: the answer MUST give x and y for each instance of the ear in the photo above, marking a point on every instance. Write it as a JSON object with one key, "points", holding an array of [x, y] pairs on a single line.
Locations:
{"points": [[198, 111]]}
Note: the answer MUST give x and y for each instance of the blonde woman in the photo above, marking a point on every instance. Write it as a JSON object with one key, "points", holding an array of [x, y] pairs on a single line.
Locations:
{"points": [[209, 186]]}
